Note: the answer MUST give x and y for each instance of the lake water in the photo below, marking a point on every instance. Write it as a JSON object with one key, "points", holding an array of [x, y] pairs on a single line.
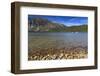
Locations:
{"points": [[57, 40]]}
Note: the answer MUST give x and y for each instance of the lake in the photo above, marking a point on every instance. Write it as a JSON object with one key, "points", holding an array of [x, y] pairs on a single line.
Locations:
{"points": [[57, 39]]}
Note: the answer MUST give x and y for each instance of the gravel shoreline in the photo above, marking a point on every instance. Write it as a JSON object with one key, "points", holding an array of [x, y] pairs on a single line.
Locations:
{"points": [[55, 54]]}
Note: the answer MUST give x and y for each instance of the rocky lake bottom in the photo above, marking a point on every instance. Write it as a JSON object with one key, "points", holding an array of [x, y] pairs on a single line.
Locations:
{"points": [[57, 46]]}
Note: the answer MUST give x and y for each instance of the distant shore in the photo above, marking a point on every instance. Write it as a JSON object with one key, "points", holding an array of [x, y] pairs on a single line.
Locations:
{"points": [[61, 53]]}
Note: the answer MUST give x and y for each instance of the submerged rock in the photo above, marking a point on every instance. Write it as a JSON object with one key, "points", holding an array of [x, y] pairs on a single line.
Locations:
{"points": [[62, 53]]}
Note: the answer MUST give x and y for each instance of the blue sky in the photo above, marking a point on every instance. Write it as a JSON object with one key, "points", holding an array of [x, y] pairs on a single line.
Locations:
{"points": [[66, 20]]}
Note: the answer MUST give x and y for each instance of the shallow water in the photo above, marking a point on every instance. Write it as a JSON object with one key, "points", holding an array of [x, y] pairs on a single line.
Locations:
{"points": [[57, 40]]}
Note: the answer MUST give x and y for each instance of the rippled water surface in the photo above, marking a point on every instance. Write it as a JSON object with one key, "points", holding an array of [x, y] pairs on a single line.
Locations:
{"points": [[57, 40]]}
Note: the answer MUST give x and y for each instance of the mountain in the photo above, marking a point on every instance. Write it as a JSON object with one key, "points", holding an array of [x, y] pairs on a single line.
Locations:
{"points": [[45, 25]]}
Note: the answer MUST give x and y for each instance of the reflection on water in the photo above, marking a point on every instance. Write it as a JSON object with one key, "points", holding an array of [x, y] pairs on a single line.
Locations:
{"points": [[57, 40]]}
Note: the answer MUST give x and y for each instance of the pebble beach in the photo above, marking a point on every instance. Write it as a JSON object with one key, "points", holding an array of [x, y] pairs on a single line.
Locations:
{"points": [[55, 54]]}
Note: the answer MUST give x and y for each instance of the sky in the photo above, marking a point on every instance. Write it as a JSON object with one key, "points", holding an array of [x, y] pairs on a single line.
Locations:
{"points": [[66, 20]]}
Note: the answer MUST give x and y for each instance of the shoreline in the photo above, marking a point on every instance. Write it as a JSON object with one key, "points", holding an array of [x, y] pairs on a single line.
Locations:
{"points": [[57, 54]]}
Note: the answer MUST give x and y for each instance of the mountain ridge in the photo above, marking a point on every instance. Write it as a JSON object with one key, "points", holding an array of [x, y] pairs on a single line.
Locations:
{"points": [[45, 25]]}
